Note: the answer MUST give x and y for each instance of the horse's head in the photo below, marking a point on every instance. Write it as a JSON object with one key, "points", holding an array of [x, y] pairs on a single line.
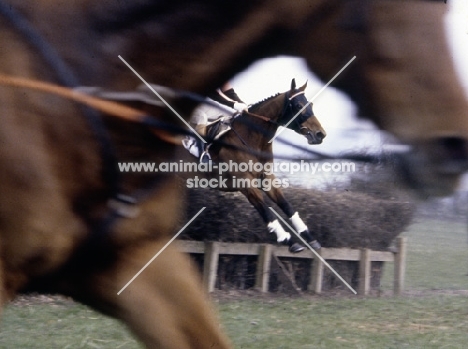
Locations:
{"points": [[403, 79], [413, 92], [299, 116]]}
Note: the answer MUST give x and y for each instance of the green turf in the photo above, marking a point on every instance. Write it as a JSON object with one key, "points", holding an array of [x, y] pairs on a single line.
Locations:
{"points": [[427, 322], [434, 321], [423, 318], [67, 325], [437, 257]]}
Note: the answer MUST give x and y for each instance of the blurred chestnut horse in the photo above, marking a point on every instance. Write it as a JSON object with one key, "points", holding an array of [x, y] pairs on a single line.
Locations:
{"points": [[56, 173]]}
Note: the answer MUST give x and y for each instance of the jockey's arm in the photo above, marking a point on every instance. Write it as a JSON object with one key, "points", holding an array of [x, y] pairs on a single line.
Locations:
{"points": [[227, 96]]}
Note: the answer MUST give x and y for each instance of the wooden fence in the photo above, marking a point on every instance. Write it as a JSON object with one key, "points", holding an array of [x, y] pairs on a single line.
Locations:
{"points": [[212, 250]]}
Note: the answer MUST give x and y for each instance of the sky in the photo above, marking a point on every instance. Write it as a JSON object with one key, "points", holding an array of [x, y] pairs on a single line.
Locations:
{"points": [[345, 132]]}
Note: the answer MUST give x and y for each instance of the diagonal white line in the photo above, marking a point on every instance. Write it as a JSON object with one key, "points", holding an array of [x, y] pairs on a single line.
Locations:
{"points": [[160, 251], [315, 96], [162, 99], [315, 252]]}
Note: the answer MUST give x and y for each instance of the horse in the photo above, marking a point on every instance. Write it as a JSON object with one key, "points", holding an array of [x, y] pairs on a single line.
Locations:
{"points": [[247, 143], [65, 220], [58, 232]]}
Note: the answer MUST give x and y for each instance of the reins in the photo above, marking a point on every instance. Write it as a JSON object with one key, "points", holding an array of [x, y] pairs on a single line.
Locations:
{"points": [[115, 109], [264, 118]]}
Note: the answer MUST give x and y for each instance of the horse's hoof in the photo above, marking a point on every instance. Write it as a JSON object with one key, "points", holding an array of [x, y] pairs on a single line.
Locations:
{"points": [[315, 245], [296, 248]]}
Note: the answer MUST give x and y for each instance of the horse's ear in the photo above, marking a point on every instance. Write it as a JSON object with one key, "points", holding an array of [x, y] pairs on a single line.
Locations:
{"points": [[293, 84], [303, 86]]}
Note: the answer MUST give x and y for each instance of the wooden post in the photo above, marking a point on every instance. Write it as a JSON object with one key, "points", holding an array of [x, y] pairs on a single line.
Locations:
{"points": [[262, 277], [364, 272], [400, 266], [210, 265], [315, 284]]}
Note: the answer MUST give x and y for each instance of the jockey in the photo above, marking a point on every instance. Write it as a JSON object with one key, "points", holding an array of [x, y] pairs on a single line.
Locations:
{"points": [[199, 119]]}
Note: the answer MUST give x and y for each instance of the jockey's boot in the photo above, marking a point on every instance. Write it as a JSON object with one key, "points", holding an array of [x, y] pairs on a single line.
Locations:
{"points": [[230, 93], [192, 146]]}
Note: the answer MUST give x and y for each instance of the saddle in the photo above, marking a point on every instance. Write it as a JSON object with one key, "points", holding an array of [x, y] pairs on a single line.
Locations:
{"points": [[214, 130], [217, 128]]}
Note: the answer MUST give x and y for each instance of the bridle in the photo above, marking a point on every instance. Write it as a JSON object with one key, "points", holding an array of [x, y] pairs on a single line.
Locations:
{"points": [[291, 108]]}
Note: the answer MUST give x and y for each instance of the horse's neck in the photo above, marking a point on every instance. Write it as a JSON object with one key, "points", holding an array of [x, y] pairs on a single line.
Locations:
{"points": [[255, 131], [271, 108], [98, 32], [168, 44]]}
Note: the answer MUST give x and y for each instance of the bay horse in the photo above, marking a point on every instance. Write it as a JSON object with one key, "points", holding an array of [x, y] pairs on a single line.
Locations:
{"points": [[251, 133], [56, 168]]}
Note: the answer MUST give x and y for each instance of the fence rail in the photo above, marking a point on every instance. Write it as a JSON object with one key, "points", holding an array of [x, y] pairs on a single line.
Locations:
{"points": [[212, 251]]}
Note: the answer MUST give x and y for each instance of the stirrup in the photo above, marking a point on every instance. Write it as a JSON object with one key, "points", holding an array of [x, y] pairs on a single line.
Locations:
{"points": [[205, 157]]}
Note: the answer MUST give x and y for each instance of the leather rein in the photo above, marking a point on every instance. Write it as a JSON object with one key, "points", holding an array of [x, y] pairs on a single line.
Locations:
{"points": [[111, 108]]}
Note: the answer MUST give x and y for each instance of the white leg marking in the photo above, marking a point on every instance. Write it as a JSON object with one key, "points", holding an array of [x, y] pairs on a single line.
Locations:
{"points": [[298, 223], [277, 228]]}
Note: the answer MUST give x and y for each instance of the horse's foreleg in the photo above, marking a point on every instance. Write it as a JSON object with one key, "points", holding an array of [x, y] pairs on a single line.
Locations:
{"points": [[255, 197], [165, 305], [277, 196]]}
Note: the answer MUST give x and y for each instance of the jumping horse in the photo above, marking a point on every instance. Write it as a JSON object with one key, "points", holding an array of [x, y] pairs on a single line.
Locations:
{"points": [[58, 232], [251, 132]]}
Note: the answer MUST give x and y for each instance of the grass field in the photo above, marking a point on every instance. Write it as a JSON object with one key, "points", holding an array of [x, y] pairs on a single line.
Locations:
{"points": [[433, 313], [428, 322], [437, 257]]}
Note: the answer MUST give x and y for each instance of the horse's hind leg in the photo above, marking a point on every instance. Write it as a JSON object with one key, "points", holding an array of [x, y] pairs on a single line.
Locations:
{"points": [[256, 198], [277, 196], [164, 306]]}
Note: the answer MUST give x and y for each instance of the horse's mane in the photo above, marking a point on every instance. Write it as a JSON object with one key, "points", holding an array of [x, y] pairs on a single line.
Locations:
{"points": [[256, 105]]}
